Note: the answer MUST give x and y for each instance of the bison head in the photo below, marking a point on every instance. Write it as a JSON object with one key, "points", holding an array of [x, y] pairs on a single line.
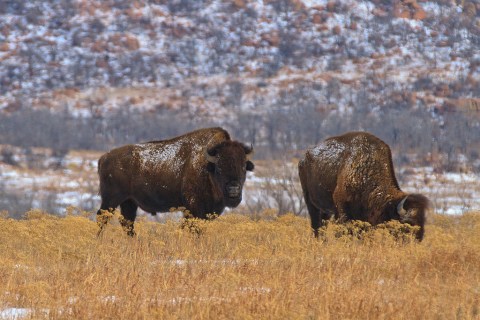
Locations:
{"points": [[228, 162], [412, 209]]}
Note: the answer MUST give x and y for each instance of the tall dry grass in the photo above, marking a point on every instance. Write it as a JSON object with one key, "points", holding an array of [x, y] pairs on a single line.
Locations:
{"points": [[237, 268]]}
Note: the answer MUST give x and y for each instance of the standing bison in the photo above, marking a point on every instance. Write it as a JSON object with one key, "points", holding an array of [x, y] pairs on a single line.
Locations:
{"points": [[351, 177], [202, 171]]}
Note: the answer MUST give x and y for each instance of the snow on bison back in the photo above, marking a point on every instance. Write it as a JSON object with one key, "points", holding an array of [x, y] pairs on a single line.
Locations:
{"points": [[202, 171], [351, 177]]}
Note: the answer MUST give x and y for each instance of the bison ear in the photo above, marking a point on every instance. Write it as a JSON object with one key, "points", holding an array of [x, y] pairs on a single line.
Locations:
{"points": [[248, 151], [250, 165]]}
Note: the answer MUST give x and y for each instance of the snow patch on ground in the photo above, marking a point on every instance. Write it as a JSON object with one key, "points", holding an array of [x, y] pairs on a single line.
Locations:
{"points": [[14, 313], [77, 185]]}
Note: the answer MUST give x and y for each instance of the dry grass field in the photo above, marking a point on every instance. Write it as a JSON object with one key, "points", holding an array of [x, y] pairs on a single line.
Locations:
{"points": [[236, 267]]}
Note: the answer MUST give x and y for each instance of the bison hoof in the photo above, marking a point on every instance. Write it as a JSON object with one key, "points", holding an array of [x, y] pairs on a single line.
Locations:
{"points": [[131, 233], [99, 233]]}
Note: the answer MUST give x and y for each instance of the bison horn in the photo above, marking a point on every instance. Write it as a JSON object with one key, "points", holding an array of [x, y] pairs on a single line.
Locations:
{"points": [[209, 157], [401, 211], [249, 152]]}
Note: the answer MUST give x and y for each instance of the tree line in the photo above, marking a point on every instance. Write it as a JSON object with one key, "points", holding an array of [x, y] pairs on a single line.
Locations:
{"points": [[410, 131]]}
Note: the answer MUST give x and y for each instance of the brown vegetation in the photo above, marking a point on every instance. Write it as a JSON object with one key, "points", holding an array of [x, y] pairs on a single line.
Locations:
{"points": [[237, 268]]}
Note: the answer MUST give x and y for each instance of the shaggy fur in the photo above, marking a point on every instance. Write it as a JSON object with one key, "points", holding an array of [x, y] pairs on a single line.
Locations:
{"points": [[351, 177], [202, 171]]}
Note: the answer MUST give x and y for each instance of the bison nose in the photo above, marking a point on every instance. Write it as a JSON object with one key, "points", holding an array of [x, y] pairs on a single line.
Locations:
{"points": [[234, 189]]}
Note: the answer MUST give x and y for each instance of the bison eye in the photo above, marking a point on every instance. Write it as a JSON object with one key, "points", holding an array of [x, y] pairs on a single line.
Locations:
{"points": [[211, 167]]}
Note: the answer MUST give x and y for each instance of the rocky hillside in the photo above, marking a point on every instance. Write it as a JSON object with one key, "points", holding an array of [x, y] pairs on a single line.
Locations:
{"points": [[213, 55], [316, 62]]}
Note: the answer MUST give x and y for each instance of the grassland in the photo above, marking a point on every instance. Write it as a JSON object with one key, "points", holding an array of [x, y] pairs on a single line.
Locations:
{"points": [[236, 268]]}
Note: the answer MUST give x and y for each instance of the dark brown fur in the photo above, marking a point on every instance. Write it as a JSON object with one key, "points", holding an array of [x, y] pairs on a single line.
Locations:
{"points": [[159, 175], [351, 177]]}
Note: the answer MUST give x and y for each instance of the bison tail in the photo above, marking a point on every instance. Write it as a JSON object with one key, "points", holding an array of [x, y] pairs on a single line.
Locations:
{"points": [[100, 165]]}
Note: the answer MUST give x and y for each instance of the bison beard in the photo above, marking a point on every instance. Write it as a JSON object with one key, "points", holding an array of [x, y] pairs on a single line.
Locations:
{"points": [[351, 177], [202, 171]]}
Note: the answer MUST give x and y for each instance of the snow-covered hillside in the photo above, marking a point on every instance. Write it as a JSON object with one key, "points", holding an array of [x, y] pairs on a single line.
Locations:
{"points": [[214, 55]]}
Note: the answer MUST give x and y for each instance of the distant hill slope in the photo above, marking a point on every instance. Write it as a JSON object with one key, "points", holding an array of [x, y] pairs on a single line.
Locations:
{"points": [[282, 74], [214, 55]]}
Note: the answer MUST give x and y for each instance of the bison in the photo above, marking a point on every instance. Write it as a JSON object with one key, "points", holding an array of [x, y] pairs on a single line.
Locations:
{"points": [[351, 177], [202, 171]]}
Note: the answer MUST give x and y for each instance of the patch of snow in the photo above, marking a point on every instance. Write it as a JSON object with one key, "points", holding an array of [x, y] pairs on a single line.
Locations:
{"points": [[15, 313], [432, 8], [461, 177], [261, 290], [364, 10], [211, 299], [109, 299], [314, 3], [452, 210]]}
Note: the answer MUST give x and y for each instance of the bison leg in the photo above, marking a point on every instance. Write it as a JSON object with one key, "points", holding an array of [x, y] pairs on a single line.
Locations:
{"points": [[341, 204], [104, 214], [315, 216], [129, 213]]}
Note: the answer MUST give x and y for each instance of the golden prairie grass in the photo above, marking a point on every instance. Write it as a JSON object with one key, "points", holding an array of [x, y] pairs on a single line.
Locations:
{"points": [[237, 268]]}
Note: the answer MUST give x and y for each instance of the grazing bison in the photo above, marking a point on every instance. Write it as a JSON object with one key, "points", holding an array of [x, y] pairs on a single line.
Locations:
{"points": [[202, 171], [351, 177]]}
